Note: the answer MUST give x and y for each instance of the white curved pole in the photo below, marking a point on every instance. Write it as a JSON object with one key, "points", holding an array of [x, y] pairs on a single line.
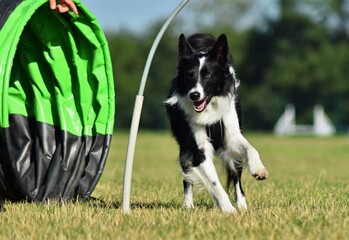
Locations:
{"points": [[137, 112]]}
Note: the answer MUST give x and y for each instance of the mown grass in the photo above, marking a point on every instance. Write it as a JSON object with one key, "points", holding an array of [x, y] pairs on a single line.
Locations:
{"points": [[306, 197]]}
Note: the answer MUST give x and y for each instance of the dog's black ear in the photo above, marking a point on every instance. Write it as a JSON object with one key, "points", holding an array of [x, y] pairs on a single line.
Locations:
{"points": [[220, 51], [184, 47]]}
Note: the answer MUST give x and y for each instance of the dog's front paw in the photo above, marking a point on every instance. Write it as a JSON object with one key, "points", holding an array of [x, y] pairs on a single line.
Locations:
{"points": [[226, 206], [241, 203], [187, 205], [255, 165], [259, 173], [228, 209]]}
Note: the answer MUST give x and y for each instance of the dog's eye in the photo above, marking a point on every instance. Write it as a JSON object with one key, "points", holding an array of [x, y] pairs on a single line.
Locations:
{"points": [[205, 74], [190, 74]]}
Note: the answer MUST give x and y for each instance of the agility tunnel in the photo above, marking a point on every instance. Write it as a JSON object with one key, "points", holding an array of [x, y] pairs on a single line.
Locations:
{"points": [[56, 102]]}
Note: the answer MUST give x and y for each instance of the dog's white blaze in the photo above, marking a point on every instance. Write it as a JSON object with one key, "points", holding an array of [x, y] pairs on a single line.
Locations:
{"points": [[198, 87], [202, 61]]}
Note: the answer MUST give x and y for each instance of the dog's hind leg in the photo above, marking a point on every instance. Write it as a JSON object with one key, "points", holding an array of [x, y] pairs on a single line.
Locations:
{"points": [[188, 194], [188, 201], [234, 171]]}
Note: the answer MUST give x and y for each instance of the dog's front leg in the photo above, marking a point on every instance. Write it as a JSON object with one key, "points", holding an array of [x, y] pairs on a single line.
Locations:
{"points": [[240, 147], [255, 165], [207, 172]]}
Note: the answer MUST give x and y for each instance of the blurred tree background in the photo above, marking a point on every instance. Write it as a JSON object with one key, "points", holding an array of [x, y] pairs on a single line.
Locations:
{"points": [[289, 52]]}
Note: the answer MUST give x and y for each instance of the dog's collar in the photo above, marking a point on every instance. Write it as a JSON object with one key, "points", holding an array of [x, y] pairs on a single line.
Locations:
{"points": [[215, 133]]}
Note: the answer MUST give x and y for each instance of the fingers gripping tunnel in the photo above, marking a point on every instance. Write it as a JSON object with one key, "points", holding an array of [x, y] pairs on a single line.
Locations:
{"points": [[56, 102]]}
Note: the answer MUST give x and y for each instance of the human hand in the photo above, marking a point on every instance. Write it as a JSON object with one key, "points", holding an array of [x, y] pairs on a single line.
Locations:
{"points": [[63, 6]]}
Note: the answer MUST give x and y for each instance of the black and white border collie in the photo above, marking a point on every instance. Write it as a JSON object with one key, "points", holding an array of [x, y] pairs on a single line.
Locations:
{"points": [[205, 119]]}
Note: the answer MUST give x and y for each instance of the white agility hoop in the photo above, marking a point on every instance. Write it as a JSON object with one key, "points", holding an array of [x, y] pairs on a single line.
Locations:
{"points": [[137, 112]]}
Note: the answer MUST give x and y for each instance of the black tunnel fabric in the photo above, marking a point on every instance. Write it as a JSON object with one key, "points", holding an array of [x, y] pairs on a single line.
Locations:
{"points": [[56, 102], [43, 162], [6, 8]]}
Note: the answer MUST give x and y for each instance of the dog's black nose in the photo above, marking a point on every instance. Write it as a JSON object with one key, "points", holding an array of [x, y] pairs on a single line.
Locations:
{"points": [[194, 96]]}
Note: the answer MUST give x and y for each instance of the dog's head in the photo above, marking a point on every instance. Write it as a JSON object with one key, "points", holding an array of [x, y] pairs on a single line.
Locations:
{"points": [[204, 69]]}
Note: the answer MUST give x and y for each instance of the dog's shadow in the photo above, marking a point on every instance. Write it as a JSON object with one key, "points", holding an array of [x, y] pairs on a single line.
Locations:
{"points": [[99, 203], [102, 204]]}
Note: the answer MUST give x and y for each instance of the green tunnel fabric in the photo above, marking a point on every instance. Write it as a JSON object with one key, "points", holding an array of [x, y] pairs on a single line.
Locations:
{"points": [[56, 102]]}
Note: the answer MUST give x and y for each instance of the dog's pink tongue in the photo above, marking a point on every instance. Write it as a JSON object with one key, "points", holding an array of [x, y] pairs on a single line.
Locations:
{"points": [[199, 106]]}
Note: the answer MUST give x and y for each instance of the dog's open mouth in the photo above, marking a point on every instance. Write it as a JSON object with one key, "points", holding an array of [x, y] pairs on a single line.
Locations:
{"points": [[200, 106]]}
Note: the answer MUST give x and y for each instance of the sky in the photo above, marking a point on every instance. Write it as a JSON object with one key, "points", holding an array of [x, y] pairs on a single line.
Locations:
{"points": [[134, 15], [137, 15]]}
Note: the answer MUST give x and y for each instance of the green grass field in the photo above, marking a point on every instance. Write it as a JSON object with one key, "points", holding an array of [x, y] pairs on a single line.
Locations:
{"points": [[305, 197]]}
